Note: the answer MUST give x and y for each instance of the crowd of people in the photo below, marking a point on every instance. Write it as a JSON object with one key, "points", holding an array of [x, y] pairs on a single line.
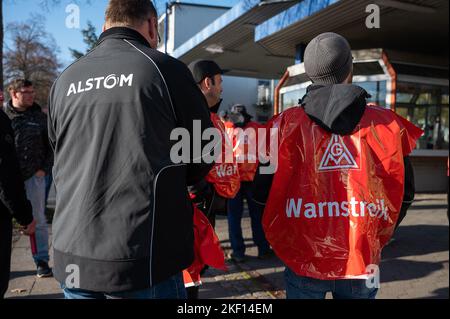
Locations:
{"points": [[125, 211]]}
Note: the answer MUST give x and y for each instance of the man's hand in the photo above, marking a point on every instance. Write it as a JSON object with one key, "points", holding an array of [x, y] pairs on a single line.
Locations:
{"points": [[30, 229], [40, 173]]}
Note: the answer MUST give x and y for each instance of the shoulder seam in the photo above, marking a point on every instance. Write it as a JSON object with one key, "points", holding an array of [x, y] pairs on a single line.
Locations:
{"points": [[160, 73]]}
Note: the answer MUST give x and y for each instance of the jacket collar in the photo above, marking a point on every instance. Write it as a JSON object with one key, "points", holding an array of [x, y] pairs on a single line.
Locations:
{"points": [[122, 33], [9, 108]]}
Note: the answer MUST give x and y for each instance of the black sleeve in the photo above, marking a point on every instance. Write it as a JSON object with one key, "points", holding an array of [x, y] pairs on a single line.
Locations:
{"points": [[12, 189], [48, 161], [410, 190], [189, 104], [261, 186]]}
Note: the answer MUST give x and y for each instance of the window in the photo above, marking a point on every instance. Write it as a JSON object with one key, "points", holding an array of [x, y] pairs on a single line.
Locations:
{"points": [[377, 90], [264, 90], [290, 99], [427, 106]]}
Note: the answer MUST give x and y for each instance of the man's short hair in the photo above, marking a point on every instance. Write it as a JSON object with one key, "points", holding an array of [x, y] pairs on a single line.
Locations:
{"points": [[129, 12], [18, 84]]}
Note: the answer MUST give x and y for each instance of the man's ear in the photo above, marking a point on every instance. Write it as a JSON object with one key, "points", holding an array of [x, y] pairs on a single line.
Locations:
{"points": [[208, 83], [13, 94], [153, 28]]}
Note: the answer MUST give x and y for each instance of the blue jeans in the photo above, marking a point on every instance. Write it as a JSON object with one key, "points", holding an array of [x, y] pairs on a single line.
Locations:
{"points": [[173, 288], [35, 188], [235, 211], [48, 185], [298, 287]]}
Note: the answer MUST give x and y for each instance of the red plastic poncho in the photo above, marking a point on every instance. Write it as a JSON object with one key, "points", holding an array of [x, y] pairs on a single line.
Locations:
{"points": [[335, 199], [206, 248], [225, 175], [246, 150]]}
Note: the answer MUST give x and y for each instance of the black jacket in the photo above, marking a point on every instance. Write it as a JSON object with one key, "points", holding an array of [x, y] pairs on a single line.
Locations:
{"points": [[123, 215], [337, 109], [13, 200], [31, 139]]}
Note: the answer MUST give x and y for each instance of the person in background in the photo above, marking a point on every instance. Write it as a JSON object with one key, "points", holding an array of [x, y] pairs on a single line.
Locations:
{"points": [[222, 182], [35, 156], [247, 165], [13, 199]]}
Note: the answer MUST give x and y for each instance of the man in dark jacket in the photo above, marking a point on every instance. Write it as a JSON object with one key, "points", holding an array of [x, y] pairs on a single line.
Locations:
{"points": [[123, 225], [208, 75], [13, 201], [29, 124]]}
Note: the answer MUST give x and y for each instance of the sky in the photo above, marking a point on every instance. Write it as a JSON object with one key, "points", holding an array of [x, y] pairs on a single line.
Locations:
{"points": [[55, 24]]}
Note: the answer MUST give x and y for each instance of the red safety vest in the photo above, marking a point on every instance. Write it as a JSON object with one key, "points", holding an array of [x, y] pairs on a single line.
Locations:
{"points": [[224, 176], [335, 199], [245, 148]]}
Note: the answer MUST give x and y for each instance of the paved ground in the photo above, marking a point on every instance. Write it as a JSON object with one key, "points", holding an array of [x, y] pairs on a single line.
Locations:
{"points": [[415, 265]]}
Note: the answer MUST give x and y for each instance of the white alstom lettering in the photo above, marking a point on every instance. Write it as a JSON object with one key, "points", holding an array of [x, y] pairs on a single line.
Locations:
{"points": [[99, 81], [89, 85], [102, 82], [110, 82], [72, 89], [80, 90], [126, 80]]}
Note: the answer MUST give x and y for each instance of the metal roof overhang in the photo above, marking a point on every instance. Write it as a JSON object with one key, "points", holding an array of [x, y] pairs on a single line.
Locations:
{"points": [[414, 25], [230, 41]]}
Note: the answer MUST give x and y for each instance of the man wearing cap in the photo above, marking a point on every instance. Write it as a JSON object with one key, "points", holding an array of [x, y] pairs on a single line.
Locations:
{"points": [[244, 139], [222, 182], [341, 183]]}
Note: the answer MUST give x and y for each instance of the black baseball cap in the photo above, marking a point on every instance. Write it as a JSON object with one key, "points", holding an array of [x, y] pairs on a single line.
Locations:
{"points": [[239, 109], [202, 69]]}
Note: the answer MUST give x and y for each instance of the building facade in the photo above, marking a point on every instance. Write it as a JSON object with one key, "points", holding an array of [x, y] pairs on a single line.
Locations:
{"points": [[401, 59]]}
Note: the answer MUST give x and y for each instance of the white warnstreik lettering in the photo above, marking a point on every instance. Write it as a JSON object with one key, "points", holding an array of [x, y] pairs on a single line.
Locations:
{"points": [[295, 208], [103, 82]]}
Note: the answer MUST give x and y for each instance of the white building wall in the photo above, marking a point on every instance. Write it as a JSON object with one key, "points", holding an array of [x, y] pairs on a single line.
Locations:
{"points": [[189, 20], [185, 21], [237, 90]]}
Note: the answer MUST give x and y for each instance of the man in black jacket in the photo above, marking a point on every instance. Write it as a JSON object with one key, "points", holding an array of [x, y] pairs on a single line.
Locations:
{"points": [[29, 124], [123, 226], [13, 201]]}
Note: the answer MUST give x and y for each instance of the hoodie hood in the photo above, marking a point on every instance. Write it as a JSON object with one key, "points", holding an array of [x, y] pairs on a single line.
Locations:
{"points": [[336, 108]]}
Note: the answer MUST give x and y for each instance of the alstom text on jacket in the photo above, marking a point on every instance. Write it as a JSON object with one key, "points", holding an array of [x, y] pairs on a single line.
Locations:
{"points": [[107, 82]]}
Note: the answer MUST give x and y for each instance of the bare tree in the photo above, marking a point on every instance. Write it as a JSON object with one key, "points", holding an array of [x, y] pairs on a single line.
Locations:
{"points": [[45, 5], [32, 55]]}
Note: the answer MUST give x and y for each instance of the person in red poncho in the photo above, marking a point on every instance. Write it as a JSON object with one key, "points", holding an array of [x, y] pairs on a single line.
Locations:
{"points": [[245, 137], [210, 195], [336, 196]]}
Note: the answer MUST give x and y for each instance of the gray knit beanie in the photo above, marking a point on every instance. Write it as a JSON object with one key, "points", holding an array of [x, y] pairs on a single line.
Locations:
{"points": [[328, 59]]}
